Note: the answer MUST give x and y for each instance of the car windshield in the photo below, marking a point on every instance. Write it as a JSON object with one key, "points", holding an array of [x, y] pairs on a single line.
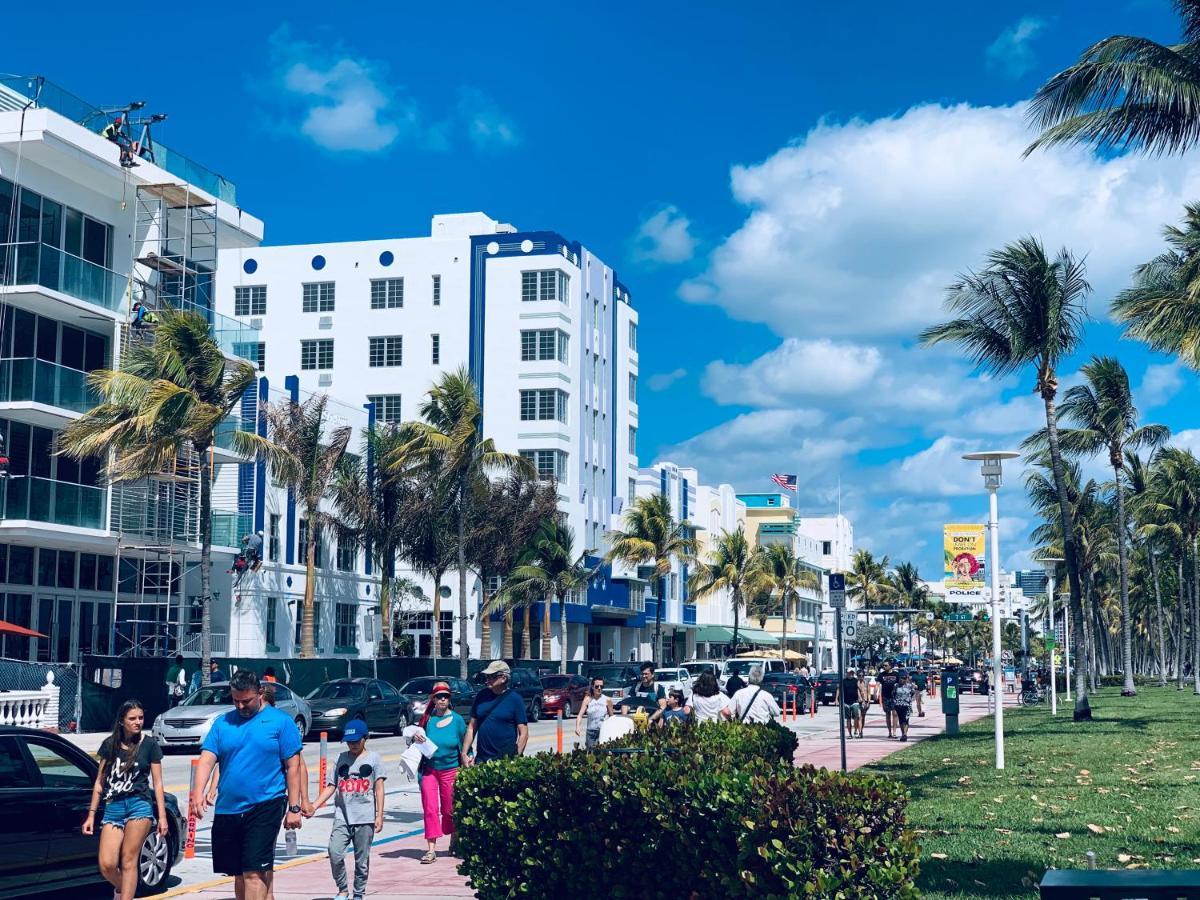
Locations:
{"points": [[210, 696], [556, 682], [612, 673], [697, 668], [666, 675], [338, 690], [742, 666], [419, 686]]}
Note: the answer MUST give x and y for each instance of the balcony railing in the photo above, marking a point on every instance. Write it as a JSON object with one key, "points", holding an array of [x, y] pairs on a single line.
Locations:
{"points": [[229, 426], [47, 95], [56, 502], [228, 528], [32, 262], [38, 381]]}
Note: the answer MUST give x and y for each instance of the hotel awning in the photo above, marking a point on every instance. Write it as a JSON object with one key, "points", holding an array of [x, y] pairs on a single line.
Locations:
{"points": [[723, 634]]}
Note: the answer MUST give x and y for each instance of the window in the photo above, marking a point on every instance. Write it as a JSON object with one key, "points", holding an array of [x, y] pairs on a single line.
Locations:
{"points": [[548, 463], [548, 284], [543, 405], [387, 293], [273, 538], [346, 627], [272, 620], [318, 545], [632, 388], [347, 551], [57, 771], [387, 408], [259, 355], [632, 439], [317, 354], [632, 495], [250, 301], [544, 344], [386, 351], [633, 335], [316, 622], [435, 348], [827, 548], [318, 296], [437, 290]]}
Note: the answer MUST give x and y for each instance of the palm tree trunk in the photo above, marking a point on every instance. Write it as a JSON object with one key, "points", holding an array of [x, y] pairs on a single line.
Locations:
{"points": [[485, 623], [308, 644], [562, 635], [737, 602], [506, 636], [546, 626], [1195, 615], [435, 623], [526, 649], [1129, 689], [1070, 552], [385, 613], [205, 566], [1158, 609], [1179, 607], [464, 648], [658, 617]]}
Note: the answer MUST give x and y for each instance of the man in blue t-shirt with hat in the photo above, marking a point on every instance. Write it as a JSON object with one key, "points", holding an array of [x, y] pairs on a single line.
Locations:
{"points": [[497, 717]]}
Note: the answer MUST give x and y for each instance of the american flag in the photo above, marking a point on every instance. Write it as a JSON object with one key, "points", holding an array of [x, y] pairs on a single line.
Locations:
{"points": [[787, 482]]}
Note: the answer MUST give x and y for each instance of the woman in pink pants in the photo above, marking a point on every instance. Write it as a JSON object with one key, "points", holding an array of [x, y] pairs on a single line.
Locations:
{"points": [[446, 729]]}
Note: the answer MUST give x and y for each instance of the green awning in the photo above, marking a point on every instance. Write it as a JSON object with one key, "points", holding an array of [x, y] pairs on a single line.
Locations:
{"points": [[723, 634], [758, 637]]}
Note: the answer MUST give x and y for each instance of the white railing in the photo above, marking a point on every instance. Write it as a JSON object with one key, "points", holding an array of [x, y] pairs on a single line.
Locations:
{"points": [[31, 709], [190, 643]]}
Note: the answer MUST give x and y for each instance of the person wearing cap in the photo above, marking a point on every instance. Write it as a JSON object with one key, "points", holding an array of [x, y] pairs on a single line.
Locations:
{"points": [[497, 717], [356, 780], [446, 729]]}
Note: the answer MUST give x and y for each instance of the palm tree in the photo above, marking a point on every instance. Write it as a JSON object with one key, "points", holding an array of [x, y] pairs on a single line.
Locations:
{"points": [[304, 454], [1127, 92], [1105, 419], [912, 593], [556, 572], [867, 581], [166, 402], [788, 576], [1162, 306], [734, 567], [1177, 481], [652, 537], [449, 440], [426, 543], [1025, 309], [1146, 530]]}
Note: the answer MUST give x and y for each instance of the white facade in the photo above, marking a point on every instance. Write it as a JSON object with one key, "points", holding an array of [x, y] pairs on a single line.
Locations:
{"points": [[832, 538], [543, 326]]}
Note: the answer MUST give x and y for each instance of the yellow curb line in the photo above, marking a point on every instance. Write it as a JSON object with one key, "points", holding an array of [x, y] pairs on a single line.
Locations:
{"points": [[217, 882]]}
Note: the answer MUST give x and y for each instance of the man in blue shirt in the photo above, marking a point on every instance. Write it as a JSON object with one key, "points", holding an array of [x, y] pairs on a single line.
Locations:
{"points": [[497, 717], [258, 749]]}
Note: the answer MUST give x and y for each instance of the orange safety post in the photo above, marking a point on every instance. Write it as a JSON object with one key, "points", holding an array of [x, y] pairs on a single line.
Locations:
{"points": [[813, 694], [560, 731], [321, 765], [189, 846]]}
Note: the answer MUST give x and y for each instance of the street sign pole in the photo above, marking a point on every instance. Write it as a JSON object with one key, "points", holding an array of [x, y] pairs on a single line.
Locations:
{"points": [[841, 713]]}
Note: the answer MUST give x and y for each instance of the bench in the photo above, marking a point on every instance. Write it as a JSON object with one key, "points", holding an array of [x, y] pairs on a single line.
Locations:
{"points": [[1138, 884]]}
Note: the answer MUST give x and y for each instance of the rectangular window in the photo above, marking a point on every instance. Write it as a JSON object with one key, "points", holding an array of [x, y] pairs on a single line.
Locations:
{"points": [[387, 408], [272, 620], [347, 551], [437, 290], [544, 405], [385, 351], [250, 300], [632, 388], [435, 349], [632, 439], [273, 538], [387, 293], [548, 463], [318, 296], [544, 345], [632, 495], [316, 622], [260, 356], [317, 354], [827, 548], [318, 546], [346, 627], [547, 284], [633, 335]]}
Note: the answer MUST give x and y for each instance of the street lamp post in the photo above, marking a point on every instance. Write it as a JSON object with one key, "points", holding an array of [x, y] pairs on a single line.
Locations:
{"points": [[1050, 564], [992, 463]]}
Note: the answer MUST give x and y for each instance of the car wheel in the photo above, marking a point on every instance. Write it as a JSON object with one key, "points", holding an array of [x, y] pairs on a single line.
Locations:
{"points": [[300, 723], [535, 711], [566, 710], [154, 864]]}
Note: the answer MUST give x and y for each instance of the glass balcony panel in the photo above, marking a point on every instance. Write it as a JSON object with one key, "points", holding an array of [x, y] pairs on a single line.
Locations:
{"points": [[57, 502], [44, 382], [58, 270]]}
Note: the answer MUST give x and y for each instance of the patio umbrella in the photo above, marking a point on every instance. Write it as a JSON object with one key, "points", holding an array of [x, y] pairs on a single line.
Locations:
{"points": [[19, 630], [952, 661]]}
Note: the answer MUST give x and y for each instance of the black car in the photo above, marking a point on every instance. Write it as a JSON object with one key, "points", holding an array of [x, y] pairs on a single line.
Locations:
{"points": [[416, 690], [827, 687], [781, 685], [336, 703], [45, 790], [618, 678], [525, 682]]}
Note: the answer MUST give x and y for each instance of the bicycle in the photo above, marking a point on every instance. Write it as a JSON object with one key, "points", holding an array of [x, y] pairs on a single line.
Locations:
{"points": [[1032, 696]]}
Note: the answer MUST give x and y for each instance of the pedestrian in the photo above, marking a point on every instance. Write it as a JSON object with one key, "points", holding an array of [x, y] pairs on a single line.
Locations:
{"points": [[709, 704], [888, 679], [902, 702], [734, 683], [357, 782], [269, 676], [649, 689], [130, 784], [803, 688], [498, 717], [864, 700], [445, 729], [176, 681], [594, 709], [677, 711], [985, 683], [921, 683], [848, 697], [254, 744], [215, 676], [754, 703]]}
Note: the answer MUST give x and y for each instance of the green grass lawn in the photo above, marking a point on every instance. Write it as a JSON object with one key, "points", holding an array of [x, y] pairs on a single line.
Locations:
{"points": [[1126, 785]]}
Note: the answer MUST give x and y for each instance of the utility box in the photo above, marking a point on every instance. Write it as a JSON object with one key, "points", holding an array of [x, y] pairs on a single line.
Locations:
{"points": [[950, 699]]}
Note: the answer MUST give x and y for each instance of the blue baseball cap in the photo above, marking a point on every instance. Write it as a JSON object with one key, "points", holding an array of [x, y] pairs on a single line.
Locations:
{"points": [[355, 731]]}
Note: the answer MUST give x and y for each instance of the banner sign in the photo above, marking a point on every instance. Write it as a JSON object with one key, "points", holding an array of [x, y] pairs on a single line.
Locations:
{"points": [[965, 548]]}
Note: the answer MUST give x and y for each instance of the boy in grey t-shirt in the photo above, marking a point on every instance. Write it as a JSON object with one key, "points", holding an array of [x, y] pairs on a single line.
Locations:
{"points": [[357, 781]]}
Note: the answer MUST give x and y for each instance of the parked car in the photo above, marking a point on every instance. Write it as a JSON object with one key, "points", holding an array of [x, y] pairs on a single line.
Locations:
{"points": [[827, 685], [187, 724], [618, 678], [336, 703], [45, 790], [698, 667], [743, 666], [416, 694], [781, 685], [675, 680], [525, 682], [563, 693]]}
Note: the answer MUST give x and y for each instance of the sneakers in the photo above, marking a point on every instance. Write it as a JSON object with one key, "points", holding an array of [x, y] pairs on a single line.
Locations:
{"points": [[429, 857], [904, 737]]}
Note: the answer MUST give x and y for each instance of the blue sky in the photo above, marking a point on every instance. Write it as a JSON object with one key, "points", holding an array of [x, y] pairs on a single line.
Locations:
{"points": [[785, 190]]}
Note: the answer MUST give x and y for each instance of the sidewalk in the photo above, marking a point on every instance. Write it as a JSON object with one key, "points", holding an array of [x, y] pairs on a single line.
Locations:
{"points": [[397, 873]]}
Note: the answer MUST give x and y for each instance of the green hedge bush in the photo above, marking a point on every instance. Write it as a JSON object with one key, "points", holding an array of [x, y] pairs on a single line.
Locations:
{"points": [[713, 810]]}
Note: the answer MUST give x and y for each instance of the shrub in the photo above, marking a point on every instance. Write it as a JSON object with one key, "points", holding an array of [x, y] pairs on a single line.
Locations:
{"points": [[715, 810]]}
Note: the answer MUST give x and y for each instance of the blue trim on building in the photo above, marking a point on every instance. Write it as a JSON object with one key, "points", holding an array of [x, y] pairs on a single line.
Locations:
{"points": [[683, 499], [260, 465], [291, 384], [248, 413]]}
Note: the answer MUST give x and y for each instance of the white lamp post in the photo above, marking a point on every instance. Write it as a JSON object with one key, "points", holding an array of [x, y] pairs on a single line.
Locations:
{"points": [[1050, 565], [992, 463]]}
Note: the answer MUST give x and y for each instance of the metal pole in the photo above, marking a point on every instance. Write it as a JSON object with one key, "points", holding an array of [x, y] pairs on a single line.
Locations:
{"points": [[1053, 668], [997, 669], [841, 713]]}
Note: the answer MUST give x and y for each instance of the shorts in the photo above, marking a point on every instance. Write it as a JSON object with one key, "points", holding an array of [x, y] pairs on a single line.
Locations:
{"points": [[245, 842], [592, 738], [902, 713], [119, 812], [851, 710], [888, 704]]}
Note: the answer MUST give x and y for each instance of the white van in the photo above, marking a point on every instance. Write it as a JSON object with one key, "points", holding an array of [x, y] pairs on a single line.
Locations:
{"points": [[743, 664]]}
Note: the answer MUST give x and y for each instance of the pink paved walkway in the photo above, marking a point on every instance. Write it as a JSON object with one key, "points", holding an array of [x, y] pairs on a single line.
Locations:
{"points": [[396, 871]]}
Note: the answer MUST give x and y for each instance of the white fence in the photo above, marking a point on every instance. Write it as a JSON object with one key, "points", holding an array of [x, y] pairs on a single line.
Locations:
{"points": [[32, 709]]}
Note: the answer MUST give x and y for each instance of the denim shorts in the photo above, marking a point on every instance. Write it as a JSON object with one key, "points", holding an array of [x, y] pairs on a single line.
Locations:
{"points": [[118, 812]]}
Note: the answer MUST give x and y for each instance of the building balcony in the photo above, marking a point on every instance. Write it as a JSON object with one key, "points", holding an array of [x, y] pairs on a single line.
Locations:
{"points": [[35, 499], [43, 393], [228, 528], [33, 267]]}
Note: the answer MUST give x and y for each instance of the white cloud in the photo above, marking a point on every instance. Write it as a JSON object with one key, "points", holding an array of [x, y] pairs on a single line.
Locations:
{"points": [[345, 106], [857, 228], [663, 380], [487, 126], [1188, 439], [1011, 52], [1159, 384], [939, 470], [664, 237]]}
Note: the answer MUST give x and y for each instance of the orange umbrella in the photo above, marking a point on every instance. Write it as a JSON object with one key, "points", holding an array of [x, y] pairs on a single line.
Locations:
{"points": [[19, 630]]}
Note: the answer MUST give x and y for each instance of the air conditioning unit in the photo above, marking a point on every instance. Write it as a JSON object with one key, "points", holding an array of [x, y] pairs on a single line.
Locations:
{"points": [[256, 323], [325, 380], [325, 322]]}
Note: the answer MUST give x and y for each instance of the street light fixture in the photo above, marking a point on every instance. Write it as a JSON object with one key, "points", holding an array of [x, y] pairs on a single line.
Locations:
{"points": [[992, 465], [1050, 565]]}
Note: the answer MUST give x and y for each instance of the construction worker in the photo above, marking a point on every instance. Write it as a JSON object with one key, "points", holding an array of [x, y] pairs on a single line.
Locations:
{"points": [[252, 550], [3, 458], [115, 132]]}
